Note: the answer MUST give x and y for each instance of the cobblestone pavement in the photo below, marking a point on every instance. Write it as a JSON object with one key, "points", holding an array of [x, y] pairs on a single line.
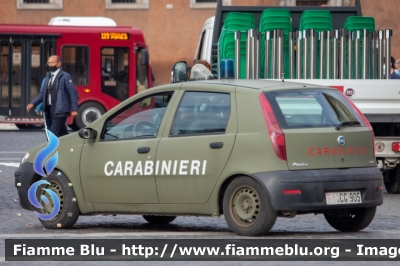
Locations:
{"points": [[14, 143]]}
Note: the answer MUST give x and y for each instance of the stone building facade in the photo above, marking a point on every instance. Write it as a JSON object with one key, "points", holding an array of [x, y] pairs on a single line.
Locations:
{"points": [[172, 27]]}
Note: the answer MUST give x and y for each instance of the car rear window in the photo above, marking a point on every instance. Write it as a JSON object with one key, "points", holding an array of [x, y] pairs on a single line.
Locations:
{"points": [[310, 108]]}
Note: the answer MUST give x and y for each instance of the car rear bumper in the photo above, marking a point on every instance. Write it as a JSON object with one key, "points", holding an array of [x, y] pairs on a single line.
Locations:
{"points": [[313, 185], [24, 178]]}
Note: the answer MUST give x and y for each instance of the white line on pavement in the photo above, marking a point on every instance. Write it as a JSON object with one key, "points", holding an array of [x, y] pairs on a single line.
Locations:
{"points": [[10, 164]]}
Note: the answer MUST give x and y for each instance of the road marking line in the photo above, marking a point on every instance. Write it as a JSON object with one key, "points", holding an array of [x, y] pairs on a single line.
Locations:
{"points": [[10, 164]]}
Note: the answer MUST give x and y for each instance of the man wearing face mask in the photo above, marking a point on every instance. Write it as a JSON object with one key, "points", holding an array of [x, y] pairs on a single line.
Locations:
{"points": [[396, 72], [59, 97]]}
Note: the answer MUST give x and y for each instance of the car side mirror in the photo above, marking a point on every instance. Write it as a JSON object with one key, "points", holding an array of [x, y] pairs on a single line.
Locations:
{"points": [[87, 133], [179, 72]]}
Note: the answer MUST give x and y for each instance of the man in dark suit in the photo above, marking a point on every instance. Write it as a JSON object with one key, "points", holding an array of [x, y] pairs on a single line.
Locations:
{"points": [[60, 97]]}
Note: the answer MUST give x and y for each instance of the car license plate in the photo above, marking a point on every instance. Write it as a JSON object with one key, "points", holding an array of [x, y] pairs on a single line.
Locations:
{"points": [[347, 197]]}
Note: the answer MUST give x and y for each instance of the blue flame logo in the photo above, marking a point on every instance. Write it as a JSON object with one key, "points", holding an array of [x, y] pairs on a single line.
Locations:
{"points": [[45, 152], [49, 166], [32, 198]]}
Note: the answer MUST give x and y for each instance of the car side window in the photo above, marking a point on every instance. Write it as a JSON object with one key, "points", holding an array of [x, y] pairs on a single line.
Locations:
{"points": [[141, 119], [202, 113]]}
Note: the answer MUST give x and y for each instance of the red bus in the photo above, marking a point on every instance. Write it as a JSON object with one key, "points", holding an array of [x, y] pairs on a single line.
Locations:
{"points": [[107, 65]]}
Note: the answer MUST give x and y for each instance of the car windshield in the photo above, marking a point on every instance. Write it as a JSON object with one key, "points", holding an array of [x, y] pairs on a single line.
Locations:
{"points": [[311, 108]]}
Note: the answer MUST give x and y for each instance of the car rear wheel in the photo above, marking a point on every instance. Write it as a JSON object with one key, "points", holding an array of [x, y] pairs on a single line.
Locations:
{"points": [[392, 180], [88, 113], [69, 210], [153, 219], [247, 207], [352, 220]]}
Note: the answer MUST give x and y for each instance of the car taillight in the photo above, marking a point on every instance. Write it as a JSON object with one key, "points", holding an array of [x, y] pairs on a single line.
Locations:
{"points": [[364, 119], [274, 130], [396, 146]]}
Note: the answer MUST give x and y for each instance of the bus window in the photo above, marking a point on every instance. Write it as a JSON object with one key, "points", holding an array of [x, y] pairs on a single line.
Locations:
{"points": [[142, 81], [115, 72], [16, 73], [35, 69], [4, 73], [47, 52], [75, 61]]}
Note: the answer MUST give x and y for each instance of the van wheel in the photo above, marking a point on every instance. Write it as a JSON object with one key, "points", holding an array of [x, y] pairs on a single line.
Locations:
{"points": [[392, 180], [153, 219], [87, 113], [69, 210], [352, 220], [247, 207]]}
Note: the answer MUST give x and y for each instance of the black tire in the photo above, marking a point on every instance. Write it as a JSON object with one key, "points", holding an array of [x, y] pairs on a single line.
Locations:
{"points": [[30, 126], [352, 220], [87, 113], [153, 219], [247, 207], [69, 210], [392, 180]]}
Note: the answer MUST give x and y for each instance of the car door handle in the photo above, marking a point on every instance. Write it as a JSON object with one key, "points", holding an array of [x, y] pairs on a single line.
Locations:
{"points": [[216, 145], [143, 149]]}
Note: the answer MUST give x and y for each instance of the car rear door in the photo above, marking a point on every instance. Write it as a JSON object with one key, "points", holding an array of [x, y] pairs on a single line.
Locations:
{"points": [[194, 151]]}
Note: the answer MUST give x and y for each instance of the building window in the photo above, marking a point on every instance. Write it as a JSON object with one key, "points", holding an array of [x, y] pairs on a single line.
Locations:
{"points": [[40, 4], [208, 3], [314, 2], [127, 4]]}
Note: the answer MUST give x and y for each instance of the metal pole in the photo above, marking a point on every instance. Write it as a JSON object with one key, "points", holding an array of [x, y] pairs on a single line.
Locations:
{"points": [[350, 39], [365, 54], [257, 55], [291, 55], [335, 54], [321, 54], [380, 54], [357, 54], [248, 55], [267, 55], [298, 54], [343, 36], [237, 54], [373, 54], [388, 36], [305, 59], [328, 54], [313, 53], [274, 44], [279, 65]]}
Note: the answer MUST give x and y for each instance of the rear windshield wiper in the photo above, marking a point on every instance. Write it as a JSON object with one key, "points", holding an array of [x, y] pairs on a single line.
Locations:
{"points": [[347, 123]]}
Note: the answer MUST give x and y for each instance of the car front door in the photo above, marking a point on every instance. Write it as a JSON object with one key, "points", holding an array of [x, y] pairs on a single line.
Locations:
{"points": [[119, 167], [194, 151]]}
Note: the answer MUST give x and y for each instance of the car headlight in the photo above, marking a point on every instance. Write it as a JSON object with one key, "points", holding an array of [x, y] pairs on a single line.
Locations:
{"points": [[25, 158]]}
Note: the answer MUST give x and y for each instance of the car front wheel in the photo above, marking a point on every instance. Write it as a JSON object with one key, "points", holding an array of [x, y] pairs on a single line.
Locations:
{"points": [[69, 210], [247, 207], [352, 220]]}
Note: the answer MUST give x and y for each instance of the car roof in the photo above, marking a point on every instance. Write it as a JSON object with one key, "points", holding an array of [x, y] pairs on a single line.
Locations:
{"points": [[259, 84]]}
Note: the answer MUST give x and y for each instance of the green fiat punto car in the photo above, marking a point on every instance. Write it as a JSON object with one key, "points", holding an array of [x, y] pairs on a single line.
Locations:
{"points": [[251, 150]]}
